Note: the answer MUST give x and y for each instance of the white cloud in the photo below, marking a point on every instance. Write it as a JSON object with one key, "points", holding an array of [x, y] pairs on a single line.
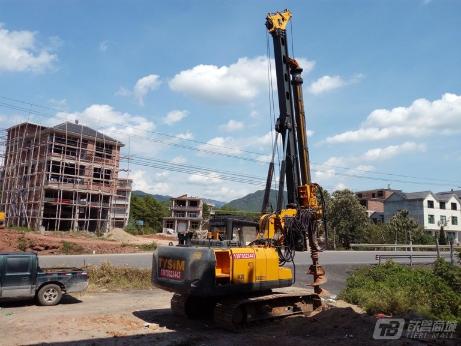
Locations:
{"points": [[421, 118], [144, 85], [185, 135], [19, 51], [340, 186], [175, 116], [122, 91], [141, 88], [328, 83], [232, 125], [358, 164], [226, 193], [178, 159], [224, 145], [205, 179], [391, 151], [125, 127], [266, 139], [160, 188], [241, 81], [58, 104], [140, 181]]}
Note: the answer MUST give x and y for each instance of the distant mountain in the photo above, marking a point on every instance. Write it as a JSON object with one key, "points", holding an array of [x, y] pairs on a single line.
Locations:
{"points": [[253, 201], [217, 204], [163, 198], [160, 198]]}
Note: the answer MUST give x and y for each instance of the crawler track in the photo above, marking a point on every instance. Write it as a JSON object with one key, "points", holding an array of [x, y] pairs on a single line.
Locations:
{"points": [[237, 312]]}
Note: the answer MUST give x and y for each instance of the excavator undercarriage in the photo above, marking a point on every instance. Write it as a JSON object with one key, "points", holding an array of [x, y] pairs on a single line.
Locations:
{"points": [[233, 313]]}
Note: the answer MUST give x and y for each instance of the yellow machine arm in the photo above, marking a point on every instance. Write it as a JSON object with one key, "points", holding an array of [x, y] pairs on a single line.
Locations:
{"points": [[293, 226]]}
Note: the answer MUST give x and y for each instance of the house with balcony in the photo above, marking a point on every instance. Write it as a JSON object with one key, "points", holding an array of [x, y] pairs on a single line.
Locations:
{"points": [[431, 210], [186, 214]]}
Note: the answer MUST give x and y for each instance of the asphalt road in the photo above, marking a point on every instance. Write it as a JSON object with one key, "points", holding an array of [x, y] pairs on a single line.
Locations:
{"points": [[338, 264], [144, 259]]}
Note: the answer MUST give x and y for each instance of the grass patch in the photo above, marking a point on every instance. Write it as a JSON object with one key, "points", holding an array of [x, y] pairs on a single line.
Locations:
{"points": [[109, 277], [70, 248], [21, 229], [398, 290], [148, 247]]}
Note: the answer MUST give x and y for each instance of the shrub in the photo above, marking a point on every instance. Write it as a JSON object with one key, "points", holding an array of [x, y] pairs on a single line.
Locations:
{"points": [[72, 248], [22, 244], [109, 277], [395, 289], [148, 247]]}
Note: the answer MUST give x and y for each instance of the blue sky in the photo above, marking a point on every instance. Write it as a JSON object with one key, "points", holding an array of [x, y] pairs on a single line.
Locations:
{"points": [[381, 86]]}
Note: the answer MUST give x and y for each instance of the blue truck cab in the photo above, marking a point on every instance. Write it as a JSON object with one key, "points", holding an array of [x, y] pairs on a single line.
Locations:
{"points": [[22, 277]]}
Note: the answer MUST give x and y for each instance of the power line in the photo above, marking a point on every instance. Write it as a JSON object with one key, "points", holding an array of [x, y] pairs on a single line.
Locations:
{"points": [[433, 181]]}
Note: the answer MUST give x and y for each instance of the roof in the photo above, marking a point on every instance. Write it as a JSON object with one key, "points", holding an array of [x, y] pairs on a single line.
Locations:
{"points": [[25, 123], [84, 131], [186, 197], [452, 192], [376, 190], [417, 195]]}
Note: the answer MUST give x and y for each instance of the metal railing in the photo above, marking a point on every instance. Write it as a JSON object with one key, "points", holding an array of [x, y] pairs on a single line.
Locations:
{"points": [[412, 256], [407, 247]]}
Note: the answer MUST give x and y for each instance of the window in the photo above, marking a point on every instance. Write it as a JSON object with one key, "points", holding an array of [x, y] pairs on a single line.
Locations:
{"points": [[193, 204], [380, 193], [359, 195], [193, 214], [430, 204], [16, 265], [194, 225], [442, 205], [169, 224], [431, 219], [373, 195], [454, 206], [180, 203], [454, 220], [443, 220], [180, 214]]}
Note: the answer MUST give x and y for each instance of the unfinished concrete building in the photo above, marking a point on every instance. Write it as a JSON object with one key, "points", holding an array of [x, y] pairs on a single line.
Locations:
{"points": [[121, 203], [59, 178], [186, 214]]}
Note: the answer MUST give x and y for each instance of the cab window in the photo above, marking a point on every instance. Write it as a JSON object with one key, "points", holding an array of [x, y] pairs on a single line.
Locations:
{"points": [[16, 265]]}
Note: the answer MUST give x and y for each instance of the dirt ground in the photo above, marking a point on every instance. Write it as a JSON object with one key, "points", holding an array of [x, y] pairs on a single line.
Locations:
{"points": [[144, 318], [52, 243]]}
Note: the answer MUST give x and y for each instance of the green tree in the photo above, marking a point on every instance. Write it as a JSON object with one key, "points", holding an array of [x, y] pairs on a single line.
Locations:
{"points": [[442, 237], [403, 227], [347, 218], [378, 233], [206, 211], [149, 210]]}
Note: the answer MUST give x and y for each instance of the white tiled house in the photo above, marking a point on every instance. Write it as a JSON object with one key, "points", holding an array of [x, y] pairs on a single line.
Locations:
{"points": [[430, 210]]}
